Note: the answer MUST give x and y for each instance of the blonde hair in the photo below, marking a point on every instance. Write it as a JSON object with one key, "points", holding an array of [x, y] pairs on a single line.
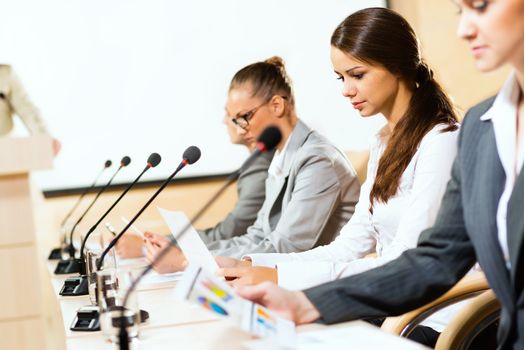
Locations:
{"points": [[266, 78]]}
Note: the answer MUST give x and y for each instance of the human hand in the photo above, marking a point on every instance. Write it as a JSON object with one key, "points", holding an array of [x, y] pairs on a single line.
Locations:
{"points": [[156, 238], [226, 261], [294, 306], [247, 275], [57, 146], [173, 261], [130, 246]]}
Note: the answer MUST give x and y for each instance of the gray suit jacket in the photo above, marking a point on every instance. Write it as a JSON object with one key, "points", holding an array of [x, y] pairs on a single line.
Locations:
{"points": [[465, 230], [305, 208], [251, 195]]}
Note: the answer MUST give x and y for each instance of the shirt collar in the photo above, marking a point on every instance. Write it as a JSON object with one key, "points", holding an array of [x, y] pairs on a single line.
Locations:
{"points": [[277, 164], [506, 101]]}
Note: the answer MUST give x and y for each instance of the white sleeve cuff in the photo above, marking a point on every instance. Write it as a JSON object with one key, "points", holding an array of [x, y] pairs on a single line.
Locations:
{"points": [[267, 259], [298, 275]]}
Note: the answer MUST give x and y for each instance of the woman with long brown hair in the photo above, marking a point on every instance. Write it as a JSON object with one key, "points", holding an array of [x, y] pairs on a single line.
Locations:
{"points": [[375, 54]]}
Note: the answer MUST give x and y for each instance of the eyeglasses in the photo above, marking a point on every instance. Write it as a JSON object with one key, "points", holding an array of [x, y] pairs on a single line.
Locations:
{"points": [[242, 121]]}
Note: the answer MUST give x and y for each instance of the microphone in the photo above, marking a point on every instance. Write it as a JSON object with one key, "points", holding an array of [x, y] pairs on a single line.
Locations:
{"points": [[91, 318], [268, 140], [190, 156], [68, 266], [78, 285], [56, 253]]}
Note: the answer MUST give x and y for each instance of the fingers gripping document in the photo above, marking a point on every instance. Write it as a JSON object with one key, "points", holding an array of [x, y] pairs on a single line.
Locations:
{"points": [[204, 288], [191, 244]]}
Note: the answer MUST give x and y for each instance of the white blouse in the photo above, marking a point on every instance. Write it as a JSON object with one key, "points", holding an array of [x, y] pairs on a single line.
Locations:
{"points": [[503, 115], [392, 228]]}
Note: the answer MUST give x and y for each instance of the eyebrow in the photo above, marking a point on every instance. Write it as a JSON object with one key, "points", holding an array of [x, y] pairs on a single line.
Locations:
{"points": [[352, 69], [349, 70], [239, 114]]}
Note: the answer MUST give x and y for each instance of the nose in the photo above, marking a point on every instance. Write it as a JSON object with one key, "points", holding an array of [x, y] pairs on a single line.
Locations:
{"points": [[349, 89], [466, 29]]}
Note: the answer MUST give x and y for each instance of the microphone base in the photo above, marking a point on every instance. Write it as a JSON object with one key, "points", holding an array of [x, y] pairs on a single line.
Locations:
{"points": [[87, 319], [55, 254], [65, 267], [75, 286]]}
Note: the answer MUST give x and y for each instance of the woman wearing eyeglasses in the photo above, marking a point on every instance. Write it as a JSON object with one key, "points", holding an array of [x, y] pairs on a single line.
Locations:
{"points": [[311, 189], [250, 197]]}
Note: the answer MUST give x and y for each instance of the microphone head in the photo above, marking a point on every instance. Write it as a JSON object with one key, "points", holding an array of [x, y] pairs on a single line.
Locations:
{"points": [[108, 163], [269, 139], [125, 161], [191, 154], [154, 159]]}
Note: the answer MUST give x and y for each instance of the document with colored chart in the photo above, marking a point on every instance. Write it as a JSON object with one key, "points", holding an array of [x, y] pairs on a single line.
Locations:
{"points": [[206, 289]]}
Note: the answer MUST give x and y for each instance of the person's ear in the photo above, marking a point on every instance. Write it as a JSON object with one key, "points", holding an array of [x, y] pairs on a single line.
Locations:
{"points": [[277, 106]]}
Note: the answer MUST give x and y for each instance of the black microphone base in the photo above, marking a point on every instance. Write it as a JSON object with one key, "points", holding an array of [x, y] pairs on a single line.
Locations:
{"points": [[75, 286], [55, 254], [88, 319], [65, 267]]}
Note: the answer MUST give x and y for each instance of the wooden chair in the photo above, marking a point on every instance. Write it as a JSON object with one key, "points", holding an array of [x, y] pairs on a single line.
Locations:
{"points": [[470, 286], [359, 160], [475, 317]]}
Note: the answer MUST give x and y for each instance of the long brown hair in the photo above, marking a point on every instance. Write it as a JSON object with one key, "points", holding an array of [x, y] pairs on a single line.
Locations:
{"points": [[380, 36], [266, 79]]}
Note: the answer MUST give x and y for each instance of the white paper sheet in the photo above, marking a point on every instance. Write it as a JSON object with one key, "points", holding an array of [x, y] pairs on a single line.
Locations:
{"points": [[191, 244], [353, 336], [153, 279], [209, 291]]}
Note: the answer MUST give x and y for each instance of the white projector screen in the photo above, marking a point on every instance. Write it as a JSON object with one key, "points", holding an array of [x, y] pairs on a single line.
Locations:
{"points": [[131, 77]]}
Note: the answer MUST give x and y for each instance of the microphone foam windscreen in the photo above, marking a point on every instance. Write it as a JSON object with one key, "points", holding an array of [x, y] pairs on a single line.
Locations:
{"points": [[191, 154], [125, 161], [270, 138], [108, 163], [154, 159]]}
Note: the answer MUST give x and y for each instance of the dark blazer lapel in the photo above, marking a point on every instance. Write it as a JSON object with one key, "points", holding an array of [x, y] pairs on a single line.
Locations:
{"points": [[515, 225], [486, 191]]}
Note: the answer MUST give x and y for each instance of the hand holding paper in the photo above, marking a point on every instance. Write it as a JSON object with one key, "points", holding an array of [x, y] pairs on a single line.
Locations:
{"points": [[130, 247], [173, 261], [293, 305], [195, 251], [209, 291], [248, 275]]}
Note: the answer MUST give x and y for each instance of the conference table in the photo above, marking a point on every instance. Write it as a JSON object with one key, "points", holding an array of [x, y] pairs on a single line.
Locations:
{"points": [[174, 324]]}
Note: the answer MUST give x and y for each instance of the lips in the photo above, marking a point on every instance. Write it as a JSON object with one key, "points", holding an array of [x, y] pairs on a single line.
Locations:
{"points": [[358, 105], [478, 50]]}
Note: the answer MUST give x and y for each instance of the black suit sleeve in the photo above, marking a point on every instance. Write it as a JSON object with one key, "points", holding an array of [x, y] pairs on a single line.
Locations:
{"points": [[444, 254]]}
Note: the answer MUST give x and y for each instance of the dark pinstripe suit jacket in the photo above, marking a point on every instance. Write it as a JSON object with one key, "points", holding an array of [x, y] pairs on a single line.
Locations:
{"points": [[465, 230]]}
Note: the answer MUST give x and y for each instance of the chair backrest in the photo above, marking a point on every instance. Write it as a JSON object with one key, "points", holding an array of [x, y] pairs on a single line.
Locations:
{"points": [[359, 160], [468, 287], [472, 319]]}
